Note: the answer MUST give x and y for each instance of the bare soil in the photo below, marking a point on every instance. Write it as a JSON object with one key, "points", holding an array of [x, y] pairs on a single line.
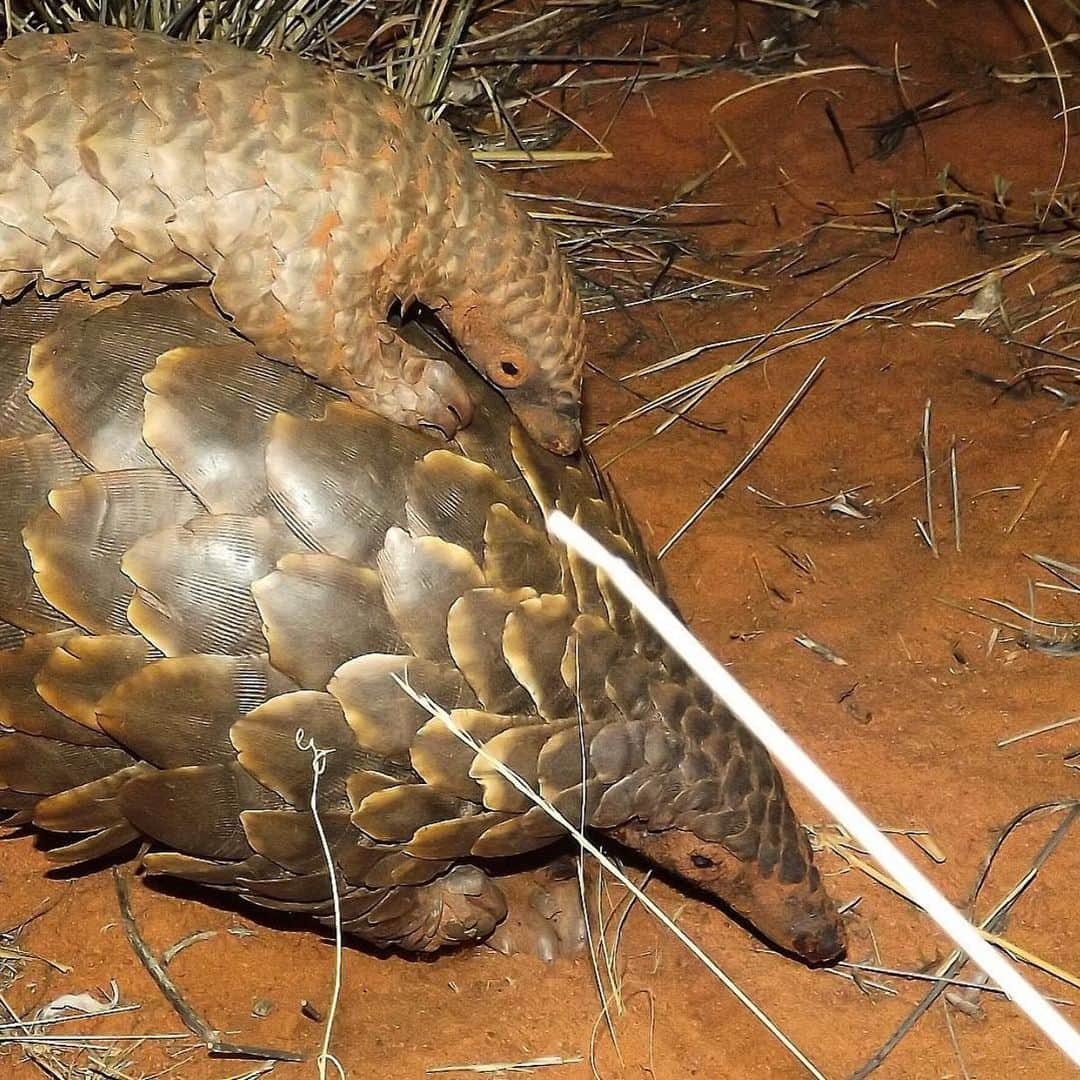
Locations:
{"points": [[908, 724]]}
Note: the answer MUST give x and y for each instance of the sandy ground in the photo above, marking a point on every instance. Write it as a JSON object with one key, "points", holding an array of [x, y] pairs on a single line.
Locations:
{"points": [[908, 724]]}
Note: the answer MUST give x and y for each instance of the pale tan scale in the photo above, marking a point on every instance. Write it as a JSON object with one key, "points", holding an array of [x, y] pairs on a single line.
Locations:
{"points": [[23, 706], [78, 674], [138, 223], [422, 579], [24, 194], [114, 146], [76, 542], [382, 715], [518, 748], [117, 265], [396, 813], [177, 161], [89, 808], [444, 761], [318, 612], [64, 263], [289, 836], [49, 139], [13, 283], [523, 832], [534, 640], [475, 627], [454, 838]]}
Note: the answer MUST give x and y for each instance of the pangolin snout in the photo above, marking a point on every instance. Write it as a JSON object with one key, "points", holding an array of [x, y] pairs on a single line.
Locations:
{"points": [[818, 938], [556, 428]]}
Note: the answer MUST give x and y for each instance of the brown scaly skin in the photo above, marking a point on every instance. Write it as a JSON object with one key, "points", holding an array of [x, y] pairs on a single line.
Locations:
{"points": [[309, 200], [203, 552]]}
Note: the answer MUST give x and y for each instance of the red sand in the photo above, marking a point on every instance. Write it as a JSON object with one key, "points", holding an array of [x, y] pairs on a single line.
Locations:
{"points": [[908, 726]]}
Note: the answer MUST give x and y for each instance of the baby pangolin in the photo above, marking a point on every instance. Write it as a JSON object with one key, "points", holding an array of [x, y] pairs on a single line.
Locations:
{"points": [[312, 201], [204, 552]]}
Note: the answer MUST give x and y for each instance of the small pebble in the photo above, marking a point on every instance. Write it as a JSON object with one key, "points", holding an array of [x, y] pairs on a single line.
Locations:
{"points": [[262, 1008]]}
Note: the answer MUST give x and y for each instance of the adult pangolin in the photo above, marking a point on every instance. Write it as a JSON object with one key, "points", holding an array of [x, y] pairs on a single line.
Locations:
{"points": [[311, 201], [204, 552]]}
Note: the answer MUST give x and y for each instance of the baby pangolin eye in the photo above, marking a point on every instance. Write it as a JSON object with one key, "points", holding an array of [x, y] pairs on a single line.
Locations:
{"points": [[702, 862], [508, 372]]}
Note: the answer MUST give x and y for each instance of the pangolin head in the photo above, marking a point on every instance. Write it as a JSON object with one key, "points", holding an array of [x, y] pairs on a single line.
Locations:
{"points": [[715, 814], [508, 297], [789, 905]]}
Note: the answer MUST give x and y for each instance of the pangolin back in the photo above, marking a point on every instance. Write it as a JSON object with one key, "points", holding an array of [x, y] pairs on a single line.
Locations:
{"points": [[309, 199], [204, 552]]}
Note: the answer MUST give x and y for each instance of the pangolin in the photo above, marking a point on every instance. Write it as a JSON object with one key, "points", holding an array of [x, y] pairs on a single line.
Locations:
{"points": [[312, 201], [204, 552]]}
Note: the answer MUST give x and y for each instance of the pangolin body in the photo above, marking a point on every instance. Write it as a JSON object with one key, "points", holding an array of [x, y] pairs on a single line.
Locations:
{"points": [[310, 200], [204, 552]]}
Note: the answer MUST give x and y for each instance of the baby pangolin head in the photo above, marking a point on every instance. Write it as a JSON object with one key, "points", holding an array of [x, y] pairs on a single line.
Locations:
{"points": [[507, 295], [534, 358]]}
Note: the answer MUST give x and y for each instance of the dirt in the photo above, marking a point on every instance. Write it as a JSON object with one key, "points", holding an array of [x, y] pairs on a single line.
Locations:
{"points": [[908, 723]]}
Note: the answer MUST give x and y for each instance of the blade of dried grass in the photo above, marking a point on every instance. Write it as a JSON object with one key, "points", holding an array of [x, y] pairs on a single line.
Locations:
{"points": [[954, 487], [504, 1066], [793, 76], [763, 440], [928, 486], [541, 157], [1037, 482], [1048, 48]]}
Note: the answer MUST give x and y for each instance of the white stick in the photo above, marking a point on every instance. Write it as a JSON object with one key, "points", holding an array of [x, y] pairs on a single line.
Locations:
{"points": [[792, 757]]}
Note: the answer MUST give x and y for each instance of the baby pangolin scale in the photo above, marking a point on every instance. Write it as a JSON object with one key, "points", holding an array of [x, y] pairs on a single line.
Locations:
{"points": [[203, 551], [310, 200]]}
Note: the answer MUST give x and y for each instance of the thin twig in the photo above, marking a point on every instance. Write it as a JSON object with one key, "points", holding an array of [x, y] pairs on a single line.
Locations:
{"points": [[1037, 483], [192, 1020], [748, 457]]}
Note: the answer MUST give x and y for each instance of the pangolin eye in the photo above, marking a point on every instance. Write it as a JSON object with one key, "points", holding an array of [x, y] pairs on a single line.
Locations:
{"points": [[702, 862], [508, 372]]}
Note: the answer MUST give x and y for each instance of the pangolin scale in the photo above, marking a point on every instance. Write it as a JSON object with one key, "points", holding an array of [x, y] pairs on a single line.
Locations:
{"points": [[312, 201], [204, 552]]}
